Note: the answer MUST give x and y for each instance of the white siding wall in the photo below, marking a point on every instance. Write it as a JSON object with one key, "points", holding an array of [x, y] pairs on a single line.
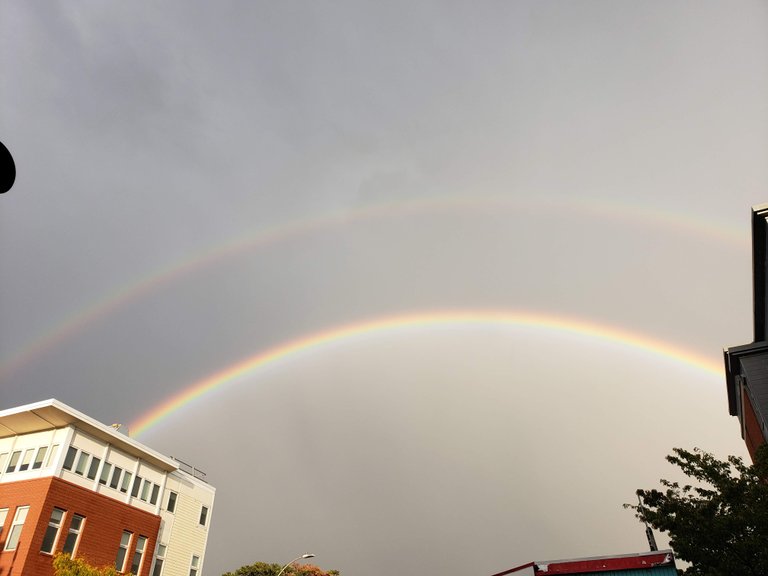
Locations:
{"points": [[181, 530]]}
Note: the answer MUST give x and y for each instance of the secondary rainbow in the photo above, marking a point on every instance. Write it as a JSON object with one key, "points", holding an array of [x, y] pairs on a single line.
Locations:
{"points": [[425, 319]]}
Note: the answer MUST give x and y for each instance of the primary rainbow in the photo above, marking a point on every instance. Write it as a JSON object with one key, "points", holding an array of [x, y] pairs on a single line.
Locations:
{"points": [[424, 319]]}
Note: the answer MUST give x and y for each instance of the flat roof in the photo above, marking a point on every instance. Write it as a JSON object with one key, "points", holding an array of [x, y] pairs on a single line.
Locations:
{"points": [[51, 414], [598, 564]]}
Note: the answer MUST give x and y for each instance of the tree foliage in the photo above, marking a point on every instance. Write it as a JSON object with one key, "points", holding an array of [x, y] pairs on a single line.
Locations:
{"points": [[63, 565], [719, 523], [264, 569]]}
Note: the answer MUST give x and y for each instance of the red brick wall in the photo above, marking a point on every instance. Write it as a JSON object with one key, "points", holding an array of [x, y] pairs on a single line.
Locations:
{"points": [[105, 520], [753, 435]]}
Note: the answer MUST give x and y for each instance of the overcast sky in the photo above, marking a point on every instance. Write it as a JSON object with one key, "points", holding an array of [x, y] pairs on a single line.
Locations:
{"points": [[201, 182]]}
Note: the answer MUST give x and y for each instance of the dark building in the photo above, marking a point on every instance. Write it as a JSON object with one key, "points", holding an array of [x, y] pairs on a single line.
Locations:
{"points": [[654, 563], [746, 367]]}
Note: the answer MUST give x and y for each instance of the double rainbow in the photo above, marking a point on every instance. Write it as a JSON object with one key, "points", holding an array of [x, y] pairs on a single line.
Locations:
{"points": [[80, 319]]}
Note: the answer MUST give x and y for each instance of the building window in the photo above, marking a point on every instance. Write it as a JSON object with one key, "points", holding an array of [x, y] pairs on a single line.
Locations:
{"points": [[159, 558], [194, 566], [122, 551], [203, 515], [3, 516], [27, 460], [52, 532], [73, 535], [15, 532], [52, 454], [105, 473], [93, 469], [155, 494], [82, 462], [136, 486], [69, 460], [138, 555], [14, 461], [116, 477], [40, 457], [171, 501], [126, 482], [145, 490]]}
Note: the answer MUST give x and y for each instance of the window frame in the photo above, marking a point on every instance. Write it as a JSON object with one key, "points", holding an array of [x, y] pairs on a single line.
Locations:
{"points": [[126, 482], [173, 498], [82, 463], [157, 567], [51, 455], [105, 471], [53, 529], [93, 468], [69, 459], [73, 531], [138, 553], [117, 472], [194, 565], [39, 457], [13, 461], [3, 518], [16, 528], [26, 460], [122, 549], [203, 516]]}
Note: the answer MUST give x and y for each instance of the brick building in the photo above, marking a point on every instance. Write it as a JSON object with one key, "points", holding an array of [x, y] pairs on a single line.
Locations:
{"points": [[71, 484], [746, 367]]}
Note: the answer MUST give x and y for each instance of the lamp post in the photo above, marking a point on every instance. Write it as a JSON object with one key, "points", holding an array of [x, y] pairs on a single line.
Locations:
{"points": [[303, 556]]}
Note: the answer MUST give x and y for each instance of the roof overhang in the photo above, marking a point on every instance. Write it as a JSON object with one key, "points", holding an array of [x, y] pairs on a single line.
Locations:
{"points": [[51, 414], [732, 360]]}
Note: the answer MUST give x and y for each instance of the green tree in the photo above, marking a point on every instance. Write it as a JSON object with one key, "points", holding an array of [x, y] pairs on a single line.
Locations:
{"points": [[719, 523], [264, 569], [63, 565]]}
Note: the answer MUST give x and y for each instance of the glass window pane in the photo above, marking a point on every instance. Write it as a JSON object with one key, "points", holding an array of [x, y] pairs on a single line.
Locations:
{"points": [[52, 531], [171, 501], [145, 490], [93, 469], [69, 543], [122, 551], [155, 493], [27, 460], [13, 537], [126, 481], [40, 457], [137, 555], [105, 473], [82, 462], [116, 477], [49, 539], [18, 523], [52, 454], [136, 486], [14, 461], [69, 459]]}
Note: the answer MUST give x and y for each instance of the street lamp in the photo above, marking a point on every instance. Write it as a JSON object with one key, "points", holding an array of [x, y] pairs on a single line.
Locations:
{"points": [[303, 556]]}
